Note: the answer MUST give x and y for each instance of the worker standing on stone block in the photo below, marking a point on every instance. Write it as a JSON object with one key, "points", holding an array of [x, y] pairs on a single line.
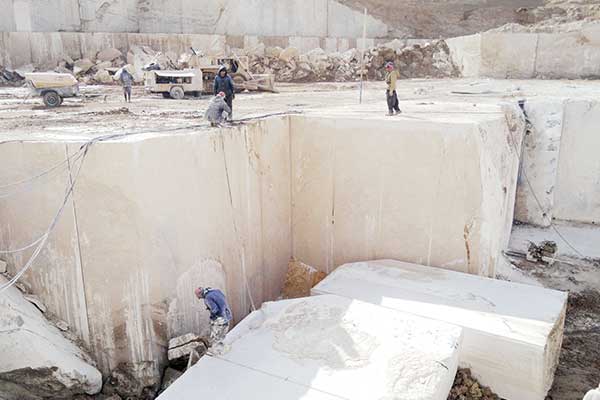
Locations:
{"points": [[216, 110], [224, 83], [391, 79], [220, 315]]}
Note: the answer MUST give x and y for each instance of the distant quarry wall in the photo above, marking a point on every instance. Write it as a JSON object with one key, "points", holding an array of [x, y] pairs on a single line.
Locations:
{"points": [[271, 18], [46, 49], [570, 54], [44, 32]]}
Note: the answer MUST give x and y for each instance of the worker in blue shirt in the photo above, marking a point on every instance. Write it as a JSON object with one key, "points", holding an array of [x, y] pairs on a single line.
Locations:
{"points": [[220, 314]]}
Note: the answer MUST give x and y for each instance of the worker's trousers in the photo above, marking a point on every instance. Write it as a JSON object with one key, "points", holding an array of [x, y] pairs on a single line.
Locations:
{"points": [[392, 101], [218, 330], [229, 101], [127, 93]]}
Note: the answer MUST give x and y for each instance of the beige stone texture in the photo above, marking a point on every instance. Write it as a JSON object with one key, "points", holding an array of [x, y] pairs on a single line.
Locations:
{"points": [[156, 215]]}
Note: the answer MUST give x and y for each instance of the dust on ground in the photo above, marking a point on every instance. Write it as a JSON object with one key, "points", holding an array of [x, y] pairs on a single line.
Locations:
{"points": [[101, 109], [579, 366]]}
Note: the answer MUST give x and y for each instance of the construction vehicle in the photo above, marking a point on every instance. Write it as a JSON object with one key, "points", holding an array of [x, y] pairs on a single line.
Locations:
{"points": [[52, 87], [174, 84], [237, 68]]}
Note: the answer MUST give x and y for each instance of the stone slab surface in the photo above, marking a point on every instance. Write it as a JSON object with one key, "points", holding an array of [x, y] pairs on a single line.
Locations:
{"points": [[328, 347], [211, 378], [513, 332]]}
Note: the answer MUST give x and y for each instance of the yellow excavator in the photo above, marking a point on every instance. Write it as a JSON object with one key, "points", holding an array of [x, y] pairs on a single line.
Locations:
{"points": [[237, 67]]}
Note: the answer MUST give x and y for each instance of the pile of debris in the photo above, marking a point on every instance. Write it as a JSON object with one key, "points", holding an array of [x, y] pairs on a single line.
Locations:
{"points": [[555, 12], [467, 388], [431, 60], [100, 67], [10, 78]]}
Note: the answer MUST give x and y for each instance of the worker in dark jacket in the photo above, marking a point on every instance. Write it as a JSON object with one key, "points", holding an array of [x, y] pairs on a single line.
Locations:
{"points": [[224, 83], [220, 314]]}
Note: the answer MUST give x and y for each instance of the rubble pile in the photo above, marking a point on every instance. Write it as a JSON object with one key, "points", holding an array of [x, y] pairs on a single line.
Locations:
{"points": [[556, 12], [10, 78], [467, 388], [101, 67], [431, 60]]}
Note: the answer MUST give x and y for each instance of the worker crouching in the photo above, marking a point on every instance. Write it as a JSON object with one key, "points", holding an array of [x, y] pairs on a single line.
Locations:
{"points": [[220, 316], [218, 110]]}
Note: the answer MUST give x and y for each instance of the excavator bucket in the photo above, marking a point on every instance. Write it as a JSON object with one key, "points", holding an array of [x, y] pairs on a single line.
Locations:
{"points": [[260, 82]]}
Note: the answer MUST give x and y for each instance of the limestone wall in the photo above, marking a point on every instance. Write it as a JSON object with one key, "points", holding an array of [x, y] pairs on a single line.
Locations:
{"points": [[433, 193], [154, 216], [570, 54], [312, 18], [46, 49], [559, 168]]}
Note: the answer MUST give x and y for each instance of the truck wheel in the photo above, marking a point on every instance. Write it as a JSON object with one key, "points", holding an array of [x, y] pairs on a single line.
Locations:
{"points": [[166, 95], [177, 93], [52, 99]]}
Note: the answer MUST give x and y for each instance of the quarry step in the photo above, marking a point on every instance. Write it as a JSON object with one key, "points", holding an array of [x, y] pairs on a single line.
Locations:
{"points": [[324, 348], [512, 332]]}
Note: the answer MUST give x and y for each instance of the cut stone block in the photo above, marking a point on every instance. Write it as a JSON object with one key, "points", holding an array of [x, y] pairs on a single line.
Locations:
{"points": [[212, 378], [512, 332], [327, 347], [181, 348]]}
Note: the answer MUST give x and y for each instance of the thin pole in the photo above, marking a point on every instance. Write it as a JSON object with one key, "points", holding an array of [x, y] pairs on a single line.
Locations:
{"points": [[362, 55]]}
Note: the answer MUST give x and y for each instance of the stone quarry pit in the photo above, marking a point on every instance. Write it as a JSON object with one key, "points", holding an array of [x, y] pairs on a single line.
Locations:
{"points": [[169, 202]]}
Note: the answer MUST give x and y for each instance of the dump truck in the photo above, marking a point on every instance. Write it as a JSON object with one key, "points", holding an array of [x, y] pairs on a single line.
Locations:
{"points": [[52, 87], [174, 84]]}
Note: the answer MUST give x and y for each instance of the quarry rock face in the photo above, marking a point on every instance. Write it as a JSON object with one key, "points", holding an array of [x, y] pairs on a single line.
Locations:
{"points": [[37, 361]]}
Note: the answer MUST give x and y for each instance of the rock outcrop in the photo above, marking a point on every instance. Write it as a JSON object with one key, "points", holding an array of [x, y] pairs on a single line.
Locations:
{"points": [[37, 361]]}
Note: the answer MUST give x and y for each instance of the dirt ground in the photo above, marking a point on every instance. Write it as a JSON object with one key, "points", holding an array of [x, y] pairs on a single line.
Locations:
{"points": [[579, 366], [101, 109]]}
